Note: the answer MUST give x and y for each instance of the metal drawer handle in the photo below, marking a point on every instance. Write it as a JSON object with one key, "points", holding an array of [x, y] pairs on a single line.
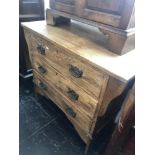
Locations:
{"points": [[75, 71], [70, 112], [72, 95], [42, 85], [41, 49], [42, 69]]}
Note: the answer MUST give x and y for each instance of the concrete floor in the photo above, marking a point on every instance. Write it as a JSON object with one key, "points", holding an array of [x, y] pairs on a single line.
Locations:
{"points": [[44, 129]]}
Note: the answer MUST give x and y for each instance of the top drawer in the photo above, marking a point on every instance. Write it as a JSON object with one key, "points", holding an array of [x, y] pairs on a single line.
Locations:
{"points": [[84, 75]]}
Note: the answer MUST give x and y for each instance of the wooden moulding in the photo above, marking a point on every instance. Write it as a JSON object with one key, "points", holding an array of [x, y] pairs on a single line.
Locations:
{"points": [[119, 43], [117, 40]]}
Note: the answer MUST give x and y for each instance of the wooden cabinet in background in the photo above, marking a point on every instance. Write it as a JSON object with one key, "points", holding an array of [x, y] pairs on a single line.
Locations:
{"points": [[79, 75], [116, 13]]}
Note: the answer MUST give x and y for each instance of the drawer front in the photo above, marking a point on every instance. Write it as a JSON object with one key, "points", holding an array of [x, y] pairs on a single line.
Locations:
{"points": [[84, 75], [76, 95], [71, 111]]}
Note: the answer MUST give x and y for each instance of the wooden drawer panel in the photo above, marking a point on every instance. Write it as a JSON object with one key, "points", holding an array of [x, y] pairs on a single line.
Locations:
{"points": [[105, 5], [84, 75], [76, 95], [77, 117]]}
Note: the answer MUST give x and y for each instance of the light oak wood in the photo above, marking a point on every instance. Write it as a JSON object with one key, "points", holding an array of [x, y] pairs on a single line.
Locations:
{"points": [[62, 61], [84, 43], [110, 94], [85, 103], [54, 49], [80, 121]]}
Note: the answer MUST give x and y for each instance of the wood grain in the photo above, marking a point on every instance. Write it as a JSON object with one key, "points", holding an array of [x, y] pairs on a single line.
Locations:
{"points": [[107, 6], [114, 35], [119, 44], [79, 44], [110, 94], [85, 103], [81, 120], [62, 60], [101, 76]]}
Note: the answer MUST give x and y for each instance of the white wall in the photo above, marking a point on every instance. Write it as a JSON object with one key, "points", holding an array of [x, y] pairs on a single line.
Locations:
{"points": [[46, 3]]}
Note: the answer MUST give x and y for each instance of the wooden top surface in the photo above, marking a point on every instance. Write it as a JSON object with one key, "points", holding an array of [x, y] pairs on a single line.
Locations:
{"points": [[87, 42]]}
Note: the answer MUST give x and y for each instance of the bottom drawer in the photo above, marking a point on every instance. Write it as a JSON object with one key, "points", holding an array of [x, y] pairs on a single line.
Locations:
{"points": [[77, 118]]}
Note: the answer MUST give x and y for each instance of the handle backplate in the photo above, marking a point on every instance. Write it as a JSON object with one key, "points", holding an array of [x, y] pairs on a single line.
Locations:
{"points": [[42, 69], [70, 112], [72, 95], [42, 85], [41, 49], [75, 71]]}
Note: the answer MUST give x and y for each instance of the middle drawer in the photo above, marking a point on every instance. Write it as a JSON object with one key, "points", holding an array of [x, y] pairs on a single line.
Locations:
{"points": [[78, 96]]}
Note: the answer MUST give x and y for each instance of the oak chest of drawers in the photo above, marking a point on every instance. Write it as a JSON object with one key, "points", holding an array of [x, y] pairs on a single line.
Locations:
{"points": [[71, 68]]}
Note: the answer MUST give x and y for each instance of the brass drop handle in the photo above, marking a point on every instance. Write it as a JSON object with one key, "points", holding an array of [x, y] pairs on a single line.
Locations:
{"points": [[70, 112], [72, 95], [75, 71], [41, 49], [42, 69], [42, 85]]}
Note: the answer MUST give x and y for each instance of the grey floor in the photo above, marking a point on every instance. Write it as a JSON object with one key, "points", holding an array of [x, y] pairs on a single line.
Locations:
{"points": [[44, 129]]}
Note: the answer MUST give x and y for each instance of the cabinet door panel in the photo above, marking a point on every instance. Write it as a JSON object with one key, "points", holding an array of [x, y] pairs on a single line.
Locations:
{"points": [[104, 11], [63, 5], [105, 5]]}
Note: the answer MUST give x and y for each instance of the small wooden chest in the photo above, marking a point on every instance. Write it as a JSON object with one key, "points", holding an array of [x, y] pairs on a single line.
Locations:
{"points": [[71, 68]]}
